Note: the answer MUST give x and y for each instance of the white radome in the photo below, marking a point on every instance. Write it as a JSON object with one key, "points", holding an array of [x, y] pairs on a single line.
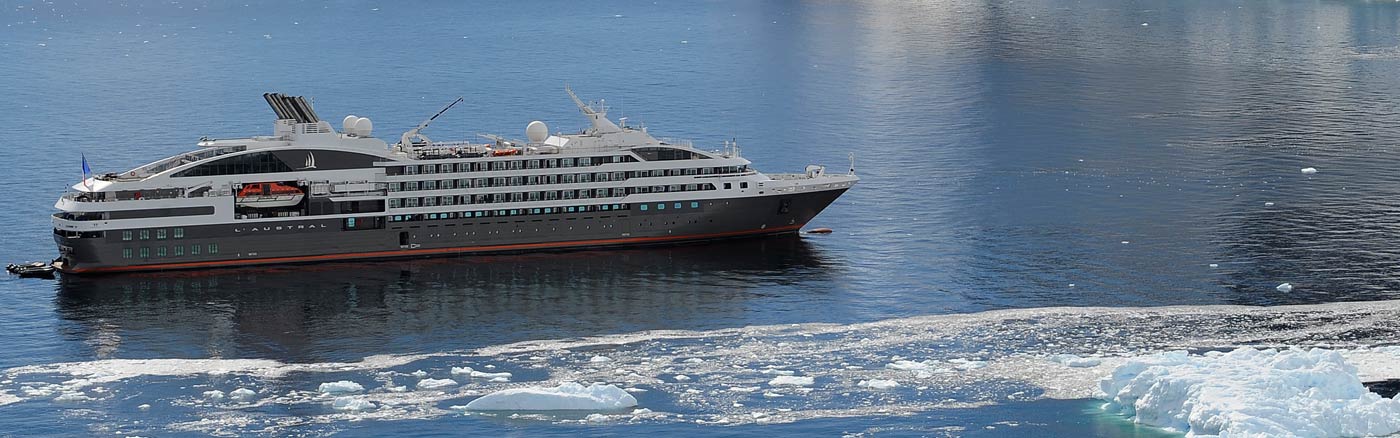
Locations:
{"points": [[536, 131], [363, 127], [348, 126]]}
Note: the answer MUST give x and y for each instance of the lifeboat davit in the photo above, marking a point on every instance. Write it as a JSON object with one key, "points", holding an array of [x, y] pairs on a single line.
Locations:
{"points": [[268, 195]]}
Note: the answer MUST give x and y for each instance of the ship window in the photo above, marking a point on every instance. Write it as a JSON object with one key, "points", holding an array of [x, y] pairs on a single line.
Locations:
{"points": [[257, 162], [160, 251], [145, 252], [179, 233], [410, 170], [678, 205], [194, 249], [661, 206], [145, 234], [160, 234], [604, 207], [743, 185], [126, 235], [126, 252], [213, 248], [695, 205], [179, 250]]}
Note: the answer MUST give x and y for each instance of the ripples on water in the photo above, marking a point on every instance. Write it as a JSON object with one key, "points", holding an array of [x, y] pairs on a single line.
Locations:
{"points": [[1013, 154]]}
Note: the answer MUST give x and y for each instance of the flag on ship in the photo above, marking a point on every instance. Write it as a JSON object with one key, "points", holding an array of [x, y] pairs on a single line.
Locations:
{"points": [[87, 173]]}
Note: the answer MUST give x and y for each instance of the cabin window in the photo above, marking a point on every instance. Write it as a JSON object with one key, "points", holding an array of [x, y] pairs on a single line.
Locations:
{"points": [[160, 251], [213, 248], [194, 249], [743, 185], [126, 235], [179, 250], [145, 234], [644, 207], [678, 205], [145, 252], [695, 205], [126, 252], [179, 233], [661, 206], [160, 234], [410, 170]]}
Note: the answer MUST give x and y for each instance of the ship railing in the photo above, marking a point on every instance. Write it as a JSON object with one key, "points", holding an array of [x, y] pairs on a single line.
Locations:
{"points": [[171, 163]]}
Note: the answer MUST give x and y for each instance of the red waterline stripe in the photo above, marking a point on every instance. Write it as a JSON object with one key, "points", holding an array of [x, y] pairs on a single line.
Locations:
{"points": [[409, 252]]}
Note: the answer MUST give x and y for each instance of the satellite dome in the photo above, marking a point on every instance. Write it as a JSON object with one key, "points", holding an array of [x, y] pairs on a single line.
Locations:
{"points": [[363, 127], [536, 131], [348, 127]]}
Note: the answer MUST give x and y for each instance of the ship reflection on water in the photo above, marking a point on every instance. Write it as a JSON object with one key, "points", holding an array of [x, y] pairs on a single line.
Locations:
{"points": [[343, 311]]}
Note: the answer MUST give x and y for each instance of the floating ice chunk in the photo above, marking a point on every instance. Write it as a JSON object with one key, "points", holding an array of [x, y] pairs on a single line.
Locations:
{"points": [[967, 364], [1285, 288], [1214, 265], [791, 381], [144, 407], [878, 384], [420, 374], [243, 395], [909, 365], [352, 404], [76, 396], [600, 359], [482, 375], [1308, 170], [214, 395], [744, 389], [682, 378], [500, 379], [1268, 204], [1249, 392], [343, 386], [567, 396], [436, 383], [694, 360], [1073, 361], [596, 418]]}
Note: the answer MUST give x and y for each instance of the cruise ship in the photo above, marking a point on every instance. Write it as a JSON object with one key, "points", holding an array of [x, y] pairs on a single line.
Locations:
{"points": [[308, 193]]}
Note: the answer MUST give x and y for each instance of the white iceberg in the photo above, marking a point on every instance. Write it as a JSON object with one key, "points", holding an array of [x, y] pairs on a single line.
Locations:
{"points": [[1308, 170], [567, 396], [351, 404], [878, 384], [1250, 393], [494, 377], [243, 395], [340, 387], [791, 381], [1285, 288], [214, 395], [436, 383]]}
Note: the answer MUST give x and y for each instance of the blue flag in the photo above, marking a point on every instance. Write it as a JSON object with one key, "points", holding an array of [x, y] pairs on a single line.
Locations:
{"points": [[86, 171]]}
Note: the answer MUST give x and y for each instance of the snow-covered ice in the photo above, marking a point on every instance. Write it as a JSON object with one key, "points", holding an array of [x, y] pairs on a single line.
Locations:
{"points": [[791, 381], [494, 377], [352, 404], [436, 383], [214, 395], [1073, 361], [1285, 288], [909, 365], [1250, 393], [242, 395], [340, 387], [1308, 170], [878, 384], [567, 396], [599, 359], [682, 378]]}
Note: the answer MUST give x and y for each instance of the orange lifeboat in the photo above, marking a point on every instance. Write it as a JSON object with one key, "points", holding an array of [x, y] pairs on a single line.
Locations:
{"points": [[504, 152], [267, 195]]}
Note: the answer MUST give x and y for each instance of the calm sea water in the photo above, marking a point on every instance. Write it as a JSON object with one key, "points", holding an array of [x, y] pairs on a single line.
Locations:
{"points": [[1014, 155]]}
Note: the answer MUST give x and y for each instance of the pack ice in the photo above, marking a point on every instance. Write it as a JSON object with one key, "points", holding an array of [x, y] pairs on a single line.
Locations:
{"points": [[567, 396], [1250, 393]]}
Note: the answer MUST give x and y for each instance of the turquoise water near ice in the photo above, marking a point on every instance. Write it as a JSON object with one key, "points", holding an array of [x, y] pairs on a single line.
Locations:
{"points": [[1013, 155]]}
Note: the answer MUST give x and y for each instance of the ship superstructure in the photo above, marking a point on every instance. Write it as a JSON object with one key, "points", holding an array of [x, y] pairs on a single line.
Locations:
{"points": [[311, 193]]}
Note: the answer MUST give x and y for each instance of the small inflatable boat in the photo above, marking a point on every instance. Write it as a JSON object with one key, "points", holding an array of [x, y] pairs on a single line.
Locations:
{"points": [[32, 269]]}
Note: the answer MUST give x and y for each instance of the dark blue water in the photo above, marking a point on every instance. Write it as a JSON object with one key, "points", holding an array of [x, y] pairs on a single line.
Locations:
{"points": [[1013, 155]]}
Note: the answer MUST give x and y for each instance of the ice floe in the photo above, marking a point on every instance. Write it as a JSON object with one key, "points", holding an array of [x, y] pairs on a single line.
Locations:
{"points": [[1249, 392], [1285, 288], [243, 395], [468, 371], [878, 384], [567, 396], [351, 404], [1308, 170], [1073, 361], [214, 395], [436, 383], [340, 387], [792, 381]]}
